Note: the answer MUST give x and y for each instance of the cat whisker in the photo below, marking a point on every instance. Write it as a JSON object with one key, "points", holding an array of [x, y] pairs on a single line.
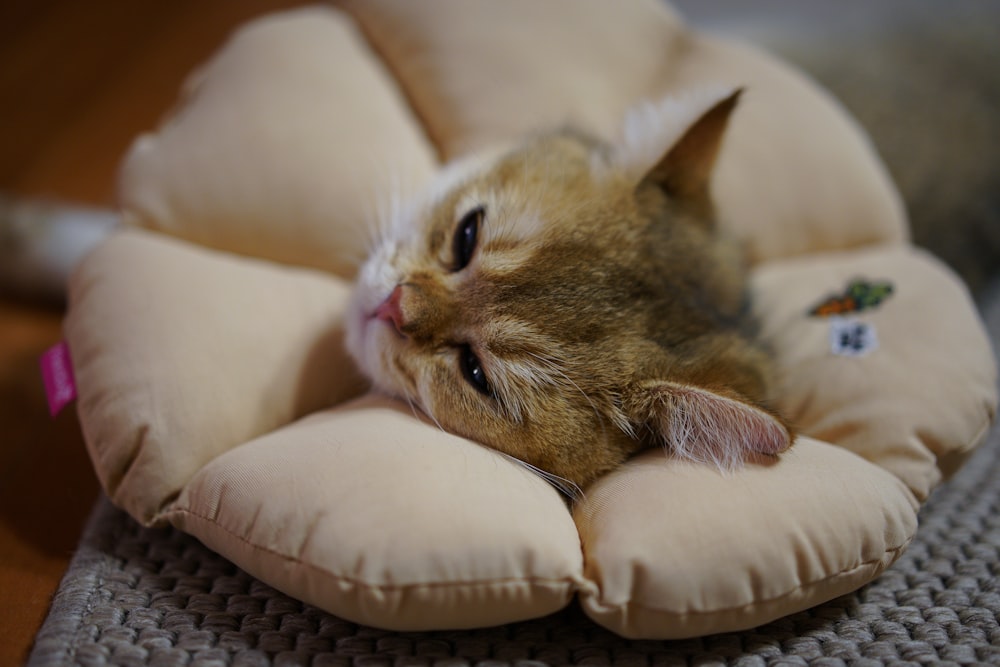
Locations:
{"points": [[552, 366], [413, 407], [374, 232], [371, 214], [435, 420], [419, 410], [388, 213], [420, 413], [564, 486]]}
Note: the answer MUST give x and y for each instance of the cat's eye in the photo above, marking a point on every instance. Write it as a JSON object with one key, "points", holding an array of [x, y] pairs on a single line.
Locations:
{"points": [[472, 369], [466, 234]]}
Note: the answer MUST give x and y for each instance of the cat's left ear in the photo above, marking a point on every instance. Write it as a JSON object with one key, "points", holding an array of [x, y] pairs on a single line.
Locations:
{"points": [[685, 170], [706, 426]]}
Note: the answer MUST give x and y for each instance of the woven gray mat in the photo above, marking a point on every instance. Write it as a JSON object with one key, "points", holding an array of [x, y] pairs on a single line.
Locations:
{"points": [[136, 596]]}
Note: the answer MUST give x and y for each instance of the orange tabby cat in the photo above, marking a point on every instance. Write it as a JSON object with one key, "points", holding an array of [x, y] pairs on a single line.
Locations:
{"points": [[563, 312]]}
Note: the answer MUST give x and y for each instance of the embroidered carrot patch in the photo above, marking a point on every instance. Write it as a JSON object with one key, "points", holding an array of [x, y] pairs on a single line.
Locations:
{"points": [[860, 295]]}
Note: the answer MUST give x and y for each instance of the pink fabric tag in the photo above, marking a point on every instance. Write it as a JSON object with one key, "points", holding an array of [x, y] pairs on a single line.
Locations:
{"points": [[57, 374]]}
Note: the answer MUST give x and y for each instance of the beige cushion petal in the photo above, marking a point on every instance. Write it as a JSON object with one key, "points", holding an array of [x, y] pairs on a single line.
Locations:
{"points": [[479, 72], [383, 519], [677, 549], [916, 405], [181, 353], [288, 143], [796, 174]]}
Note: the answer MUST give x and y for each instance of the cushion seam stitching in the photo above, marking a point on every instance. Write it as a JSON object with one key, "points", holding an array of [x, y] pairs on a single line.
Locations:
{"points": [[536, 579], [360, 582], [696, 612]]}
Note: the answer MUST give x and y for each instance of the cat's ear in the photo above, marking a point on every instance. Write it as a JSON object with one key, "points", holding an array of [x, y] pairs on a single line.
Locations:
{"points": [[707, 426], [685, 170]]}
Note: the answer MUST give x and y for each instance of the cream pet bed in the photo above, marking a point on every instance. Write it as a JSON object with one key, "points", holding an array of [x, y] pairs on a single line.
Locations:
{"points": [[215, 394]]}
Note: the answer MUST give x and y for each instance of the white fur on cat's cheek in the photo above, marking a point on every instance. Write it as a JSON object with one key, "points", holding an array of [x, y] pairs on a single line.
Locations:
{"points": [[370, 342], [375, 281], [357, 339], [378, 277]]}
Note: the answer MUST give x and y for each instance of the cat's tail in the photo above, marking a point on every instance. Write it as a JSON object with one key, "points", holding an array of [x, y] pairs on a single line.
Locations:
{"points": [[42, 241]]}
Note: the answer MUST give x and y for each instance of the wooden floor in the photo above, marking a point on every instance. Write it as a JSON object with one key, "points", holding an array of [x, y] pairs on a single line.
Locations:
{"points": [[78, 81]]}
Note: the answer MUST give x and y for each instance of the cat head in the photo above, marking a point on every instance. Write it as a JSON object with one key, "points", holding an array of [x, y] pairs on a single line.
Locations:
{"points": [[560, 308]]}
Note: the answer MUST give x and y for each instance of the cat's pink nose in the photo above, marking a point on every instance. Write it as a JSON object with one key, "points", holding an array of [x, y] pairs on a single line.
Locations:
{"points": [[389, 310]]}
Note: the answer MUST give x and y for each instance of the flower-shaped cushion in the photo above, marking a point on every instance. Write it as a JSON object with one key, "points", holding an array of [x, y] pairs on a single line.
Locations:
{"points": [[215, 393]]}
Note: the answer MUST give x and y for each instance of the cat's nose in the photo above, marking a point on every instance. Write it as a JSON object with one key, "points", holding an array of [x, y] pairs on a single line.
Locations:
{"points": [[389, 311]]}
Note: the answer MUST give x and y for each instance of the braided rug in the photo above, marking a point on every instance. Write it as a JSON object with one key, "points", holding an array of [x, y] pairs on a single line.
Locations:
{"points": [[137, 596]]}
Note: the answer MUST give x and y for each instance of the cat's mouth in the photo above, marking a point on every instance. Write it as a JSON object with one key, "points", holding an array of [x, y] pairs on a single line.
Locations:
{"points": [[389, 325]]}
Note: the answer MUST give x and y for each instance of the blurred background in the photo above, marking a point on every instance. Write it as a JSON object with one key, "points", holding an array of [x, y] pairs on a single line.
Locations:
{"points": [[923, 78], [78, 81]]}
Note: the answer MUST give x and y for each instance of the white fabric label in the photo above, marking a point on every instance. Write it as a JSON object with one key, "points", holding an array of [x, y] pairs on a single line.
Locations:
{"points": [[852, 338]]}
